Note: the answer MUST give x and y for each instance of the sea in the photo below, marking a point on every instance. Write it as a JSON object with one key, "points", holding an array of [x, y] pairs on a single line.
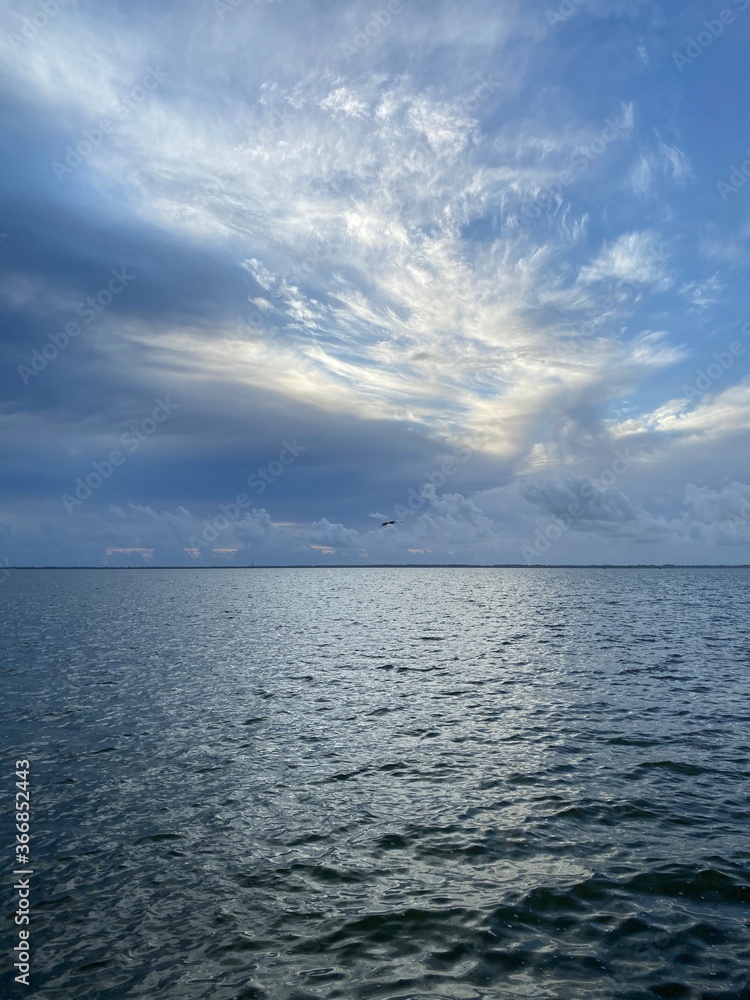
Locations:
{"points": [[392, 783]]}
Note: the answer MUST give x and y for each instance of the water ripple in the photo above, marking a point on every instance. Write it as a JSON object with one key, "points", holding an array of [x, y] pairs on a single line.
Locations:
{"points": [[265, 785]]}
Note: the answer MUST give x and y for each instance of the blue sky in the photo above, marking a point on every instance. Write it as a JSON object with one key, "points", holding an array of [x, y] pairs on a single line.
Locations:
{"points": [[275, 272]]}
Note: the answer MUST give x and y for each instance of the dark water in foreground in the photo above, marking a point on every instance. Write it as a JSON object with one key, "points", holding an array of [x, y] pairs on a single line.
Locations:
{"points": [[432, 783]]}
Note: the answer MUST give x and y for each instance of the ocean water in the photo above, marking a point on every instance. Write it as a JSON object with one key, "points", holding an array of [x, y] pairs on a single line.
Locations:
{"points": [[381, 783]]}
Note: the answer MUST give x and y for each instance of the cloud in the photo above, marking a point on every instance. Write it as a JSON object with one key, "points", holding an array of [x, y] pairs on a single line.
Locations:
{"points": [[599, 507], [675, 163], [658, 165], [641, 175], [714, 416], [434, 243], [637, 257], [700, 292]]}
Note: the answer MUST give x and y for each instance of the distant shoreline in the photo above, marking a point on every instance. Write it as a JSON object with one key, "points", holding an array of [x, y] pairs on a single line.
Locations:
{"points": [[420, 566]]}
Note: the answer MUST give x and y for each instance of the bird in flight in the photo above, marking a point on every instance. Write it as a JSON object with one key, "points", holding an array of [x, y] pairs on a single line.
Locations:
{"points": [[386, 523]]}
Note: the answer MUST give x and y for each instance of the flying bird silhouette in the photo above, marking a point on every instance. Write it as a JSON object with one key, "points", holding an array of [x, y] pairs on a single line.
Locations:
{"points": [[386, 523]]}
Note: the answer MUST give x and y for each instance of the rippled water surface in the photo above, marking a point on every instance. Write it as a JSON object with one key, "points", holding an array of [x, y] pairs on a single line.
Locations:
{"points": [[386, 783]]}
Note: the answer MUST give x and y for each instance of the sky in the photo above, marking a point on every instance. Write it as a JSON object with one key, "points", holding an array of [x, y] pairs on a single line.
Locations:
{"points": [[273, 273]]}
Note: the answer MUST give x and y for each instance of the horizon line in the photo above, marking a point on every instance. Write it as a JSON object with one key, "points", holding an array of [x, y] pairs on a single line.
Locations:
{"points": [[415, 566]]}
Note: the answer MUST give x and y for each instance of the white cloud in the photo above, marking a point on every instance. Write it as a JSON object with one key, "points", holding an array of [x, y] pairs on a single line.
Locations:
{"points": [[377, 215], [636, 257], [674, 162], [641, 176], [700, 292]]}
